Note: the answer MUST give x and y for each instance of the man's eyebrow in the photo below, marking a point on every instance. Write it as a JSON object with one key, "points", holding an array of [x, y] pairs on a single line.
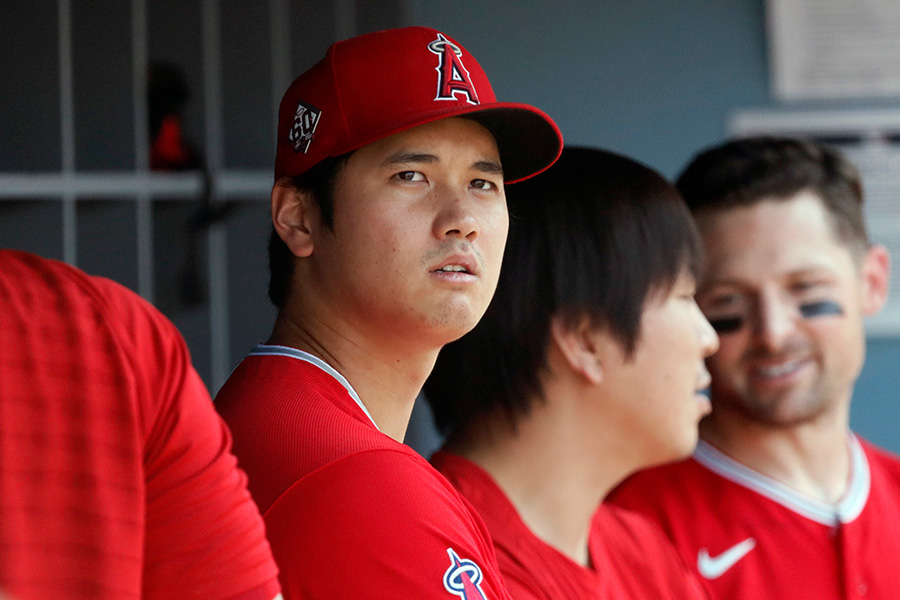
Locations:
{"points": [[489, 167], [410, 157]]}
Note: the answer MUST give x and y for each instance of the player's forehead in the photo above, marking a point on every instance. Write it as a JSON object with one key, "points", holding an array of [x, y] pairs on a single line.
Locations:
{"points": [[438, 141], [770, 240]]}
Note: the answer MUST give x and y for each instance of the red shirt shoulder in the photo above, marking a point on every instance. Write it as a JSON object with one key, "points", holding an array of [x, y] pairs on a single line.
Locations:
{"points": [[380, 523], [349, 511], [653, 491], [290, 416], [750, 536]]}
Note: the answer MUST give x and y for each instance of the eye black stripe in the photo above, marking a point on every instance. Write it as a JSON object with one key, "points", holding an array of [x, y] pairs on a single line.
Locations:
{"points": [[822, 308], [727, 324]]}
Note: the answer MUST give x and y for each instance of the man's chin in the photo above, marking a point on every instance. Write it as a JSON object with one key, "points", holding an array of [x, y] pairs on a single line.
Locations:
{"points": [[784, 412]]}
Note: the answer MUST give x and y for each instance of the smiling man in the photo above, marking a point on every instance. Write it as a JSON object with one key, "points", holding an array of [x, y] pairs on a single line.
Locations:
{"points": [[390, 219], [781, 499]]}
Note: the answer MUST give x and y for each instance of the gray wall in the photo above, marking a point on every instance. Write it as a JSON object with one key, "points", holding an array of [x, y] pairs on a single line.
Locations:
{"points": [[655, 80]]}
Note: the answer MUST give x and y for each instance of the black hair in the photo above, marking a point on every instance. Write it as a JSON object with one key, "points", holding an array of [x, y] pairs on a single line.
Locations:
{"points": [[319, 181], [745, 171], [597, 235]]}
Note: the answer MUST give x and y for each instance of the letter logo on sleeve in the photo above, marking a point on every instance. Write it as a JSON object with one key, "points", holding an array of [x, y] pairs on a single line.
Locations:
{"points": [[453, 77], [463, 578]]}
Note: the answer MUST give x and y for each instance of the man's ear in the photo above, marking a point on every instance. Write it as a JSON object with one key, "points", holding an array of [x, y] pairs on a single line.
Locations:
{"points": [[294, 215], [578, 346], [876, 275]]}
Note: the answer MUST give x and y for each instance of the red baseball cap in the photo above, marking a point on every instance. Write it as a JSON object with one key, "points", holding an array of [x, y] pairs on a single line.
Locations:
{"points": [[375, 85]]}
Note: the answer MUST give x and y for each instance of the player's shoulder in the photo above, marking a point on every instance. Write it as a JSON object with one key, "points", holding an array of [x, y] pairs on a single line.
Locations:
{"points": [[45, 286], [295, 418], [392, 473], [61, 303], [390, 489], [382, 519], [884, 465], [879, 454], [84, 300], [661, 479], [29, 272], [627, 528], [134, 315], [26, 264]]}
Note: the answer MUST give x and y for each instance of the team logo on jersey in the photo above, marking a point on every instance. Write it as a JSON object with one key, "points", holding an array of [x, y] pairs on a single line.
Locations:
{"points": [[453, 77], [305, 121], [463, 578]]}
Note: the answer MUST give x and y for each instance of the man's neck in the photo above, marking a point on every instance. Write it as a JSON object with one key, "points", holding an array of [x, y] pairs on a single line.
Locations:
{"points": [[551, 468], [386, 378], [812, 458]]}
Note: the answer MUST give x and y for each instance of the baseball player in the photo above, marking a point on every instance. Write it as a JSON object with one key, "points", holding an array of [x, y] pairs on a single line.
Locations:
{"points": [[781, 499], [390, 220], [116, 479], [587, 366]]}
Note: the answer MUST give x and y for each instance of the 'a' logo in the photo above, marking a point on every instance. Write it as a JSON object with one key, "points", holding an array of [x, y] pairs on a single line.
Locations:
{"points": [[453, 77], [305, 121], [463, 578]]}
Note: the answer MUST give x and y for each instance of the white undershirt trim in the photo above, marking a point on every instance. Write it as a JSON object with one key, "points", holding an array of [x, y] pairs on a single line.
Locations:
{"points": [[845, 510], [272, 350]]}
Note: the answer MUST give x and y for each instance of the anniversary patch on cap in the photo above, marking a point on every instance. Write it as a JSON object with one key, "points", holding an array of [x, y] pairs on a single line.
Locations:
{"points": [[305, 120]]}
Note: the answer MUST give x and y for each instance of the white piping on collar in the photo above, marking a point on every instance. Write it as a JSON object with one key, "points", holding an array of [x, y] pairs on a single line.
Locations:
{"points": [[272, 350], [845, 510]]}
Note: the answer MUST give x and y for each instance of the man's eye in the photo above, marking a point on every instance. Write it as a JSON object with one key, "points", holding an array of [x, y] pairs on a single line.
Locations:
{"points": [[410, 176], [723, 301], [802, 287], [483, 184]]}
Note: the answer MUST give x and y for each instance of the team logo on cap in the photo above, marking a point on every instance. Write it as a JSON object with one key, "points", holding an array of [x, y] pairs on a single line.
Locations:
{"points": [[305, 120], [463, 578], [453, 77]]}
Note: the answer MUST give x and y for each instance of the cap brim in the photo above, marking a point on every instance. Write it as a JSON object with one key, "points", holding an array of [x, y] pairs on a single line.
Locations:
{"points": [[528, 140]]}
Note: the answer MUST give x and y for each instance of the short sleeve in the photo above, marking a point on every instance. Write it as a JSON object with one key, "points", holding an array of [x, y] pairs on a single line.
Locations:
{"points": [[381, 524], [115, 472], [204, 535]]}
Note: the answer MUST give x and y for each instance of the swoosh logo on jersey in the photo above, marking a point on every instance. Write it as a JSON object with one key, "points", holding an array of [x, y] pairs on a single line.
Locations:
{"points": [[712, 567]]}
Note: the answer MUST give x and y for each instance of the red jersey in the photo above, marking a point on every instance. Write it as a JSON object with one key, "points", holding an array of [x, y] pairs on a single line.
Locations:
{"points": [[116, 479], [751, 537], [630, 557], [350, 512]]}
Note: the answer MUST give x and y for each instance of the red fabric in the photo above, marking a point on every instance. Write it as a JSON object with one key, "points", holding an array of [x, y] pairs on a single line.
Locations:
{"points": [[350, 513], [793, 556], [116, 479], [630, 557]]}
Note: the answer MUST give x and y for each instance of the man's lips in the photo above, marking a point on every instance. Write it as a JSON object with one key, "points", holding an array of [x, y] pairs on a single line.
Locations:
{"points": [[777, 369], [465, 264]]}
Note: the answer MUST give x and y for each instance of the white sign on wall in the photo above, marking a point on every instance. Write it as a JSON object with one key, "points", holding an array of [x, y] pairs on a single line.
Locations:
{"points": [[821, 49]]}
